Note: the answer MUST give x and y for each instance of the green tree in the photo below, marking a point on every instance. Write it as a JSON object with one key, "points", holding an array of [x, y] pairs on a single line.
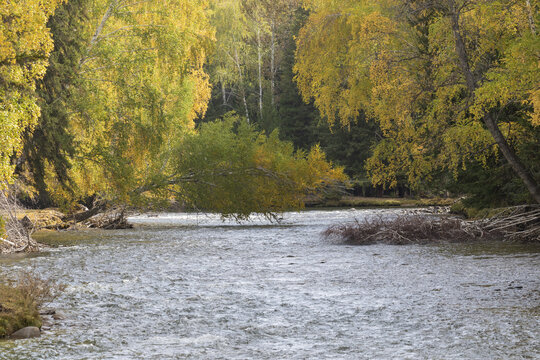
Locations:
{"points": [[230, 168], [48, 149]]}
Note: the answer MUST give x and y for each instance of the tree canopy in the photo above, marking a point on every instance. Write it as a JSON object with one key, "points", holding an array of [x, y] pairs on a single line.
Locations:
{"points": [[25, 45], [440, 78], [141, 102]]}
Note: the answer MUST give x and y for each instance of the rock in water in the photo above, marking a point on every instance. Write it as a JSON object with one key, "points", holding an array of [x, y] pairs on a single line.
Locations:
{"points": [[26, 333]]}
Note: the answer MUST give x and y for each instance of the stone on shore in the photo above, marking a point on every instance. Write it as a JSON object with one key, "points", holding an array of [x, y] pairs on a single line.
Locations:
{"points": [[26, 333]]}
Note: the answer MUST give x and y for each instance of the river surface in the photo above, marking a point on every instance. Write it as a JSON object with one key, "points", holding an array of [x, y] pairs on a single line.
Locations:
{"points": [[187, 286]]}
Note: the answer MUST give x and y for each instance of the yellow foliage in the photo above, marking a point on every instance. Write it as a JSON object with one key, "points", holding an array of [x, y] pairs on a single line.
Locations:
{"points": [[25, 44], [397, 62], [143, 86]]}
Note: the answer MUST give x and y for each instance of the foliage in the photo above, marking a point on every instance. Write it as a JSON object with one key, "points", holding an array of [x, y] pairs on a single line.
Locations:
{"points": [[440, 77], [252, 38], [47, 149], [142, 86], [25, 44], [230, 168]]}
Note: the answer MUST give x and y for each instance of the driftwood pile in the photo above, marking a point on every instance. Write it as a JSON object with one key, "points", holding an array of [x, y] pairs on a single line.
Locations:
{"points": [[17, 236], [518, 224], [406, 229], [112, 219]]}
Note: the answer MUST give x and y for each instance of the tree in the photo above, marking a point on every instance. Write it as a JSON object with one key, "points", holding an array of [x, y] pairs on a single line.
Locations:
{"points": [[48, 149], [230, 168], [25, 44], [248, 57], [436, 75], [142, 84]]}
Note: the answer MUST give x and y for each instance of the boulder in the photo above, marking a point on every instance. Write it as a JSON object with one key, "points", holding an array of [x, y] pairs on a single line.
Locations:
{"points": [[58, 316], [26, 333]]}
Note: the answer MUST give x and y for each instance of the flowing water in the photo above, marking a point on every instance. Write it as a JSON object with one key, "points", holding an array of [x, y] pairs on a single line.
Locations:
{"points": [[187, 286]]}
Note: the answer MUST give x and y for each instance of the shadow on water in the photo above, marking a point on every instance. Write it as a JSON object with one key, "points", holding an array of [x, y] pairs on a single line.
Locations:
{"points": [[493, 248]]}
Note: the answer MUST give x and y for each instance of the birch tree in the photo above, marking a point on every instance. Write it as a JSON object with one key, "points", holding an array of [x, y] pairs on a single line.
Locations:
{"points": [[437, 75]]}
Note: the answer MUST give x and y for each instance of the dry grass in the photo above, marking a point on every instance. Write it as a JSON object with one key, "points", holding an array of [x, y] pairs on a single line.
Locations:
{"points": [[20, 301], [409, 229], [376, 202]]}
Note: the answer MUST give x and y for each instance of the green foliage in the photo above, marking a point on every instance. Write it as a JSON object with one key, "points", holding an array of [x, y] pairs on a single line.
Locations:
{"points": [[230, 168], [47, 150]]}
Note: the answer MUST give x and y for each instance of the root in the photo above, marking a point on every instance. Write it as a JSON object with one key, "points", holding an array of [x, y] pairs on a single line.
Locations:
{"points": [[517, 223], [110, 220]]}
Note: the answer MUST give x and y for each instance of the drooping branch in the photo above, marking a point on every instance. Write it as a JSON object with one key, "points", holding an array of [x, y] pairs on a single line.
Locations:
{"points": [[508, 153]]}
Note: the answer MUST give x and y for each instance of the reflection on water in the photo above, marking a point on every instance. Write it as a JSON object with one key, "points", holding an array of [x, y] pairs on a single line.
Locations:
{"points": [[191, 286]]}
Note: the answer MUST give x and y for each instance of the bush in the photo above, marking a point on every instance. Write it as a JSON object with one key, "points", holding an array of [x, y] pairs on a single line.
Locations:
{"points": [[20, 301]]}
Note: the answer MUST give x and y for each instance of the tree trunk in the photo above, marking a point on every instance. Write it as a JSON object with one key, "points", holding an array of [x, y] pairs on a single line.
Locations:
{"points": [[223, 93], [510, 156], [99, 29], [273, 64], [530, 16], [85, 215], [241, 78], [259, 59], [508, 153]]}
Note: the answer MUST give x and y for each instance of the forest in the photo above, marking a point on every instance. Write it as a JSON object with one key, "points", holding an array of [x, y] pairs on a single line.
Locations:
{"points": [[241, 107]]}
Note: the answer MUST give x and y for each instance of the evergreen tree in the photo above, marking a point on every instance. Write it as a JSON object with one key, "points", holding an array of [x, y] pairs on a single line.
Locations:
{"points": [[50, 145]]}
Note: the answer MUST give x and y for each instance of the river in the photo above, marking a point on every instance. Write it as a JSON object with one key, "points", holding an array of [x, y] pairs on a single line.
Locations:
{"points": [[188, 286]]}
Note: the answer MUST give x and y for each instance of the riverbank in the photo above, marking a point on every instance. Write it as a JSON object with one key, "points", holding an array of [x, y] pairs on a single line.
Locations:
{"points": [[20, 303], [52, 219], [377, 202]]}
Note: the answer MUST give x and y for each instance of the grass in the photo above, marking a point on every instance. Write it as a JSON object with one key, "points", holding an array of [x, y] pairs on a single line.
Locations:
{"points": [[20, 301]]}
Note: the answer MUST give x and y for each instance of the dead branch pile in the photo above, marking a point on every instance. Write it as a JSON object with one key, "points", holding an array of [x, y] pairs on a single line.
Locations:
{"points": [[17, 236], [112, 219], [517, 223], [409, 229]]}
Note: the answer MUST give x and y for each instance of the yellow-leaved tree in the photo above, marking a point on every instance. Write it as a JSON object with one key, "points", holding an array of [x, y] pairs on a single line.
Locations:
{"points": [[143, 84], [133, 122], [447, 80], [25, 44]]}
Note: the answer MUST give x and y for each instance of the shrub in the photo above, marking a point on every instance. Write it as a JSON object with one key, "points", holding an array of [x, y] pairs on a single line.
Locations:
{"points": [[20, 301]]}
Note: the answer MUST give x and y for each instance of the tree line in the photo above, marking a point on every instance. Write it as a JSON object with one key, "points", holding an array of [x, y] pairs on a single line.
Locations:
{"points": [[231, 105]]}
